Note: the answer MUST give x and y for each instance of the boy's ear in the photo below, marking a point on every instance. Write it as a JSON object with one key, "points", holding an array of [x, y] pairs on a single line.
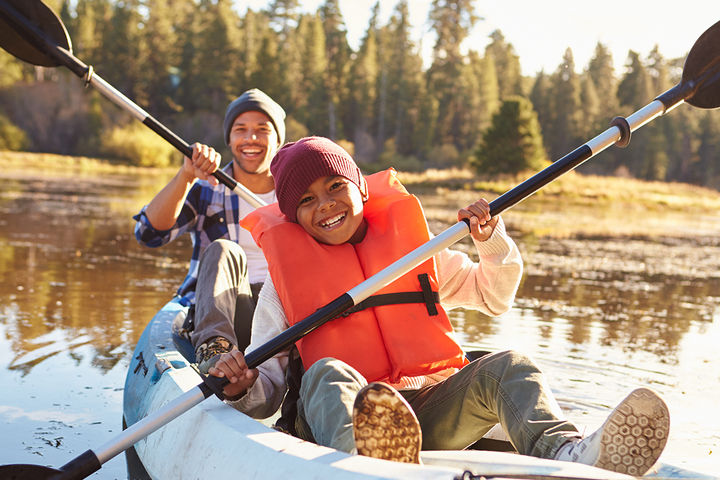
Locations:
{"points": [[364, 189]]}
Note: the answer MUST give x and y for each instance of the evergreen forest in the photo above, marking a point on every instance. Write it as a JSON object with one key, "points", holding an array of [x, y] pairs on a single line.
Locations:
{"points": [[184, 60]]}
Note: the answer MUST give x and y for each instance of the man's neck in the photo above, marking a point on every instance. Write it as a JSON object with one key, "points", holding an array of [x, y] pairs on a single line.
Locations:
{"points": [[255, 182]]}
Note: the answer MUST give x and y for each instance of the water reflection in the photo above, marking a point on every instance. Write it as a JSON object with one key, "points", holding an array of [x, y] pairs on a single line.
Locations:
{"points": [[601, 314]]}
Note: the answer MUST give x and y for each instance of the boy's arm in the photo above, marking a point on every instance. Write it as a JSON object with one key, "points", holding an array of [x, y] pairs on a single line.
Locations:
{"points": [[265, 396], [489, 285]]}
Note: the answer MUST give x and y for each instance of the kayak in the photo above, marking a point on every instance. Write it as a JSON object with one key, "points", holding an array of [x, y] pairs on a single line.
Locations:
{"points": [[213, 440]]}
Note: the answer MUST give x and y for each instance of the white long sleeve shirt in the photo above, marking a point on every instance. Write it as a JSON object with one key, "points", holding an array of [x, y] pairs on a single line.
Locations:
{"points": [[488, 286]]}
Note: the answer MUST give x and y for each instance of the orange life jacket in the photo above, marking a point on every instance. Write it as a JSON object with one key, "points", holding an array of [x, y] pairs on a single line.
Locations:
{"points": [[383, 342]]}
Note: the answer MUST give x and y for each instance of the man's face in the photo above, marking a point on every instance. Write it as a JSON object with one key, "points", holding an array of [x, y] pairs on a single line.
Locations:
{"points": [[253, 142], [331, 210]]}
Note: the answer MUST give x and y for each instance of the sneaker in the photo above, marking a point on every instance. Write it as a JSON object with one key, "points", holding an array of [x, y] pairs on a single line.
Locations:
{"points": [[209, 352], [385, 426], [631, 439]]}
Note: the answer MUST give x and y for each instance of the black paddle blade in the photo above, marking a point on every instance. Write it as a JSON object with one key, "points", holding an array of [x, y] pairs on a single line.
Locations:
{"points": [[27, 472], [13, 13], [702, 67]]}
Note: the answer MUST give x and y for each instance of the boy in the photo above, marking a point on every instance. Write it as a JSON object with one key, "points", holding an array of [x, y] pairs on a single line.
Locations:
{"points": [[331, 229]]}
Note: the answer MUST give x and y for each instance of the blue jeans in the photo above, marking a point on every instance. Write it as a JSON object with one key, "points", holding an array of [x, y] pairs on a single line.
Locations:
{"points": [[505, 388]]}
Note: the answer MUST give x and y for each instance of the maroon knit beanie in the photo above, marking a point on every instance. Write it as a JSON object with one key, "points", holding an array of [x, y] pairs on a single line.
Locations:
{"points": [[298, 164]]}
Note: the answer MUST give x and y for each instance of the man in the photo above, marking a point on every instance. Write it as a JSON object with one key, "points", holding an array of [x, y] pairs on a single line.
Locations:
{"points": [[226, 268]]}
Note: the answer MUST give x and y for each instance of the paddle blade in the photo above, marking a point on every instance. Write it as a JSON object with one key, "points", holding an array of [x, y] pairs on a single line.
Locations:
{"points": [[26, 47], [702, 66], [27, 472]]}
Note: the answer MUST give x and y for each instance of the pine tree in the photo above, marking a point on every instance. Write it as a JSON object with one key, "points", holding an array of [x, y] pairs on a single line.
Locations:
{"points": [[565, 129], [602, 72], [483, 69], [338, 52], [162, 57], [513, 142], [363, 83], [541, 99], [507, 65], [448, 76], [405, 83], [312, 110], [284, 19]]}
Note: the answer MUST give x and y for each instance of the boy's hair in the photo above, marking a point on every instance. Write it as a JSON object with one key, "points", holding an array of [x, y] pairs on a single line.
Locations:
{"points": [[299, 164]]}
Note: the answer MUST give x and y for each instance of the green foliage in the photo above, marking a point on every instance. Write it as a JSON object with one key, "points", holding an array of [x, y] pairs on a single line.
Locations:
{"points": [[137, 145], [513, 142], [11, 136]]}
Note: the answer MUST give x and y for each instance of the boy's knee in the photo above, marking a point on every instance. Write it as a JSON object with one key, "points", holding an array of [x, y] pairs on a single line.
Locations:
{"points": [[505, 361], [331, 370]]}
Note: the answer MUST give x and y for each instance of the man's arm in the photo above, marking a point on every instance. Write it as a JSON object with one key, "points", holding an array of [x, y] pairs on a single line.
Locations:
{"points": [[164, 209]]}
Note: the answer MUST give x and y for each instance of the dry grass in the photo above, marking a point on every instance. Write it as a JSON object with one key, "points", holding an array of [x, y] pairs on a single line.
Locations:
{"points": [[576, 204], [572, 205], [52, 164]]}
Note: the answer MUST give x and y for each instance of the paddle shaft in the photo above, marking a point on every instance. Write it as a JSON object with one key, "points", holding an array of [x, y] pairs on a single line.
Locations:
{"points": [[65, 57]]}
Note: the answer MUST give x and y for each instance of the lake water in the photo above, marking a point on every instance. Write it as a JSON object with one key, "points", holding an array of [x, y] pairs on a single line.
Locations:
{"points": [[600, 315]]}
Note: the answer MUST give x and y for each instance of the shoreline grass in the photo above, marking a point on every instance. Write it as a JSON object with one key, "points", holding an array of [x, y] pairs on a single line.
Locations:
{"points": [[573, 205]]}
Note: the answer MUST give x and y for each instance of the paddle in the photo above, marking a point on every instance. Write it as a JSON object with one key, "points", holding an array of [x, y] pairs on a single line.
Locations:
{"points": [[699, 87], [33, 33]]}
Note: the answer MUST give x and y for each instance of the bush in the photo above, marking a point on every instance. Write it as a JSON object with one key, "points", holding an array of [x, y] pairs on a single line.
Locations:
{"points": [[11, 136], [513, 142], [138, 145]]}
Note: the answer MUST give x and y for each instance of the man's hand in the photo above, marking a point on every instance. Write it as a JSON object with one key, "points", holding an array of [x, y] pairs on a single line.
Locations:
{"points": [[205, 160]]}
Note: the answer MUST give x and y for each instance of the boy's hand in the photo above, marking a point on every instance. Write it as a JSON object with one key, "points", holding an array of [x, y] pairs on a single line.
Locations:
{"points": [[481, 224], [232, 366], [205, 160]]}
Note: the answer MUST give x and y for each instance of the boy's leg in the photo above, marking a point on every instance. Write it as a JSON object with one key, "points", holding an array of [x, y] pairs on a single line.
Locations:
{"points": [[504, 387], [325, 406], [224, 303]]}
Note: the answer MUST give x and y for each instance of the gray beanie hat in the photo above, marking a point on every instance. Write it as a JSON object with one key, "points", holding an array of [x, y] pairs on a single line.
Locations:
{"points": [[255, 100]]}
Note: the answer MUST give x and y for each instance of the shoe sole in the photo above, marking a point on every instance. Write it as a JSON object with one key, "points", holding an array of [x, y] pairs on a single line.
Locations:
{"points": [[635, 434], [385, 426]]}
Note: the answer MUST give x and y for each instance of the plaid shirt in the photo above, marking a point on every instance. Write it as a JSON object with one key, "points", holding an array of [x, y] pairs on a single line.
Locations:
{"points": [[209, 213]]}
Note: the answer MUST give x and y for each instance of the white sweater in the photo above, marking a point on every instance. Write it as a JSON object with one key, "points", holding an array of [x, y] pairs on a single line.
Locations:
{"points": [[488, 286]]}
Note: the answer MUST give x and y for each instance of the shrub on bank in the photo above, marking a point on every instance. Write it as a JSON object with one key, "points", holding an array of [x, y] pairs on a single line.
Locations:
{"points": [[11, 136], [136, 144]]}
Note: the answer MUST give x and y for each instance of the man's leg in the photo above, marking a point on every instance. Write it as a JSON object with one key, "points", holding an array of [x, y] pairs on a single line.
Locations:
{"points": [[224, 303]]}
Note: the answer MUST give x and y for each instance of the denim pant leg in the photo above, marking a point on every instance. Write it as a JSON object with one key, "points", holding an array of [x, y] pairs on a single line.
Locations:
{"points": [[325, 406], [505, 388], [224, 300]]}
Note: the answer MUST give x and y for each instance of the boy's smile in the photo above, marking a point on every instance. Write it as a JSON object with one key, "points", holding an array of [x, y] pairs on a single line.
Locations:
{"points": [[331, 211]]}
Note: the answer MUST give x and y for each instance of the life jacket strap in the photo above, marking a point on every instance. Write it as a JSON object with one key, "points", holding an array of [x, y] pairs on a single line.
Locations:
{"points": [[427, 296]]}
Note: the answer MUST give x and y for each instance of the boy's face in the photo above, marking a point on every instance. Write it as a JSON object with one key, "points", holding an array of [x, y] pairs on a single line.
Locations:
{"points": [[331, 210]]}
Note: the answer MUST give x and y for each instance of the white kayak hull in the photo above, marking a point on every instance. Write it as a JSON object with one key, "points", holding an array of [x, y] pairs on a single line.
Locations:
{"points": [[213, 440]]}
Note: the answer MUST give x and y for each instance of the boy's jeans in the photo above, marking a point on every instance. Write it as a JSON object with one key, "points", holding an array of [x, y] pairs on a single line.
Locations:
{"points": [[505, 388]]}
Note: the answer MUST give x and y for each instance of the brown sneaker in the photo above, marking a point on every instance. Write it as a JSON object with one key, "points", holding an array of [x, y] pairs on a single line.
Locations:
{"points": [[385, 426], [209, 352]]}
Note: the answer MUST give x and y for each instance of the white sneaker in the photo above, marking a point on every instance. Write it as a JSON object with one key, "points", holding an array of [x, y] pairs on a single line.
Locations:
{"points": [[631, 439]]}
